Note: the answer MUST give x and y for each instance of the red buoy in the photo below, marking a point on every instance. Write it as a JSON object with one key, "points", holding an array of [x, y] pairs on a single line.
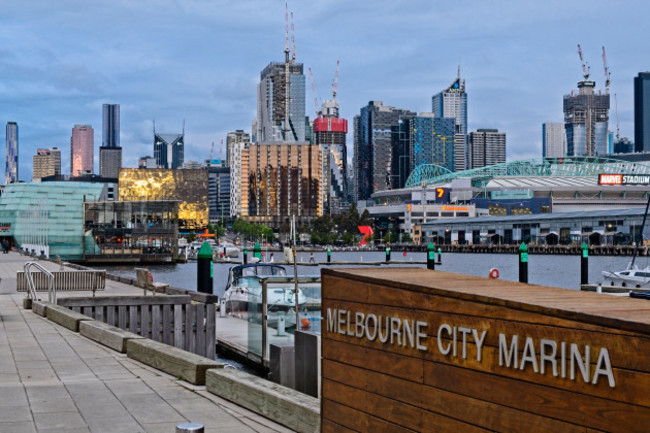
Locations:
{"points": [[494, 273]]}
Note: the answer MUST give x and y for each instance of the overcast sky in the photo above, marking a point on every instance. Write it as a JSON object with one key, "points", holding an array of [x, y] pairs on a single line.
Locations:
{"points": [[199, 61]]}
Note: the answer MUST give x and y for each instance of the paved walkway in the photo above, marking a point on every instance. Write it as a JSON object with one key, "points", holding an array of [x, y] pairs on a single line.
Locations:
{"points": [[55, 380]]}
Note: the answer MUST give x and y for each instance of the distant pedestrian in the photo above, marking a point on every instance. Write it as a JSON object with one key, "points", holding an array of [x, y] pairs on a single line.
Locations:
{"points": [[311, 258], [271, 258]]}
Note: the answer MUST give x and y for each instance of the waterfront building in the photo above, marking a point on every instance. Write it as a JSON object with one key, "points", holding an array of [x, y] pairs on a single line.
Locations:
{"points": [[110, 161], [452, 103], [553, 140], [642, 112], [237, 166], [11, 139], [486, 147], [193, 165], [133, 231], [586, 116], [234, 137], [189, 187], [278, 181], [623, 145], [275, 103], [47, 162], [47, 217], [330, 133], [169, 150], [81, 150], [431, 141], [373, 147]]}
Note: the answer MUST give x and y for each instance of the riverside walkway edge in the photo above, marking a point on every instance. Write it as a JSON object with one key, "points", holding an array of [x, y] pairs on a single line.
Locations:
{"points": [[55, 380]]}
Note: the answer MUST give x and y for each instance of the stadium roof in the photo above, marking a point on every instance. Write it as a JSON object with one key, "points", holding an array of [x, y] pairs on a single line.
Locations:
{"points": [[567, 167]]}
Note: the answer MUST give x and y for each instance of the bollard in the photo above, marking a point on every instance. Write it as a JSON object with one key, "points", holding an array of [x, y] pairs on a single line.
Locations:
{"points": [[329, 255], [439, 256], [523, 263], [204, 269], [431, 256], [387, 254], [189, 427], [281, 325], [584, 264], [245, 256], [222, 308], [257, 251]]}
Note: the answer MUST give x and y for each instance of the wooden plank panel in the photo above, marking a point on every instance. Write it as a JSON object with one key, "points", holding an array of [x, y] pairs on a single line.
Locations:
{"points": [[110, 315], [178, 326], [328, 426], [156, 322], [167, 324], [134, 325], [200, 330], [211, 331], [145, 321], [122, 318], [593, 412]]}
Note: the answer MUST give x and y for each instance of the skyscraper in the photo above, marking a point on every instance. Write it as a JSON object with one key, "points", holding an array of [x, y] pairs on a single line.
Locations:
{"points": [[238, 136], [273, 105], [586, 117], [169, 149], [373, 148], [452, 102], [553, 140], [81, 150], [110, 152], [330, 134], [486, 147], [47, 162], [642, 112], [11, 168]]}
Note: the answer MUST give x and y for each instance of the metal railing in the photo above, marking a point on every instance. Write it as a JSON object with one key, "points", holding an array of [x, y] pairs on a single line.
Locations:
{"points": [[51, 291]]}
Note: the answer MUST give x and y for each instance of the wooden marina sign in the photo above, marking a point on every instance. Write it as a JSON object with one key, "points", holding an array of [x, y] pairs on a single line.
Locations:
{"points": [[416, 350]]}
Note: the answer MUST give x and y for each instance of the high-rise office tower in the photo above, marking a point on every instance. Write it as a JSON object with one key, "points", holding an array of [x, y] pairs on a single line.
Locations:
{"points": [[169, 149], [11, 168], [238, 136], [486, 147], [373, 148], [110, 152], [586, 117], [275, 102], [452, 102], [47, 162], [553, 140], [330, 134], [642, 112], [81, 150]]}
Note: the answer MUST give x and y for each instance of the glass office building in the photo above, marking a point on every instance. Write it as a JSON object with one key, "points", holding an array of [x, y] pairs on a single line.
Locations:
{"points": [[47, 217]]}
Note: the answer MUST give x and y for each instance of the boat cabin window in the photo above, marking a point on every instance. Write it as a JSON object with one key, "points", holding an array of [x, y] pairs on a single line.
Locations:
{"points": [[264, 271]]}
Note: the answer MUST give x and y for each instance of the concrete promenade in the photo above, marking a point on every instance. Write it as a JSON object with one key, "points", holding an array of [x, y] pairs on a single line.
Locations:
{"points": [[55, 380]]}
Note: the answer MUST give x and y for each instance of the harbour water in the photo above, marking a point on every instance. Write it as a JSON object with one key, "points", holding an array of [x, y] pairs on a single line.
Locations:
{"points": [[549, 270]]}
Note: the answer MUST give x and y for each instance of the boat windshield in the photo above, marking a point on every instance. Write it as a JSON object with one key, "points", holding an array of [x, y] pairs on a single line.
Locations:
{"points": [[264, 271], [251, 281]]}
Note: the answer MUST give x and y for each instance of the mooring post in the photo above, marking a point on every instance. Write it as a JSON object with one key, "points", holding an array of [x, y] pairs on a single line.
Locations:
{"points": [[431, 256], [329, 255], [584, 264], [439, 256], [245, 255], [387, 253], [523, 263], [204, 270]]}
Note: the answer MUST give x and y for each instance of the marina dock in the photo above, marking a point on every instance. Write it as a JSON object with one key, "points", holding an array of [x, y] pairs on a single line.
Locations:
{"points": [[55, 380]]}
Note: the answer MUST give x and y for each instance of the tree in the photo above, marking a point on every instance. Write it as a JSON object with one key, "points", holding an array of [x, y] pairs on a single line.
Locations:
{"points": [[406, 238]]}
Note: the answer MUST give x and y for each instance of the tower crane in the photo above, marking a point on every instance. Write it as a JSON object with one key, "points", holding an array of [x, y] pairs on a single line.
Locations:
{"points": [[212, 152], [608, 75], [618, 135], [313, 90], [293, 40], [335, 83], [585, 68]]}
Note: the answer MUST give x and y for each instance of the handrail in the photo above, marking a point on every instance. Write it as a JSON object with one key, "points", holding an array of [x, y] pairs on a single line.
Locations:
{"points": [[51, 291]]}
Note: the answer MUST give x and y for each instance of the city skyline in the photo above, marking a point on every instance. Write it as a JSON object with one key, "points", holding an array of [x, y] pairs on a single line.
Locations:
{"points": [[518, 60]]}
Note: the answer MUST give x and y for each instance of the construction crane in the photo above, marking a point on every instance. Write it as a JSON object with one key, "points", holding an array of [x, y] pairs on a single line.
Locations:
{"points": [[212, 152], [585, 68], [618, 135], [608, 75], [313, 90], [335, 83], [293, 41]]}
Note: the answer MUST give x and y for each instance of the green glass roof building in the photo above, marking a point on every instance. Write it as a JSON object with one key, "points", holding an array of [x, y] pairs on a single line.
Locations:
{"points": [[48, 217]]}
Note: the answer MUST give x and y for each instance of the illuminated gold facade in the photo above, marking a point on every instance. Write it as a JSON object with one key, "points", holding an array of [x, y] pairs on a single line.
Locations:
{"points": [[281, 180], [190, 187]]}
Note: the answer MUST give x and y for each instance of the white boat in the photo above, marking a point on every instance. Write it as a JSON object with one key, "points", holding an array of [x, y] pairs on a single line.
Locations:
{"points": [[243, 293], [632, 277], [228, 249]]}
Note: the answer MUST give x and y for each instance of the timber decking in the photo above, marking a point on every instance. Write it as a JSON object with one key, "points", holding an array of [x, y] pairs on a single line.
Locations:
{"points": [[369, 385]]}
